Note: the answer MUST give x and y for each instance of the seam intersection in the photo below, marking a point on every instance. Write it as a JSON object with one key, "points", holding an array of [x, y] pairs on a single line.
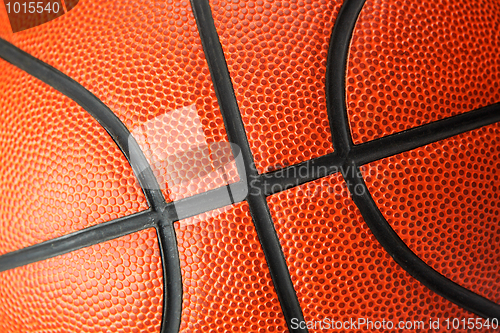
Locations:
{"points": [[142, 170], [346, 155], [339, 125], [235, 130]]}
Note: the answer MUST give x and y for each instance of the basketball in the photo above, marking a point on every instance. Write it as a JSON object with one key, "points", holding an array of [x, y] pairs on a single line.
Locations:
{"points": [[249, 166]]}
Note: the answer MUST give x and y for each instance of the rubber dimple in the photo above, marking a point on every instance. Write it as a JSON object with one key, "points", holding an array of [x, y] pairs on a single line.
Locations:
{"points": [[112, 286], [449, 214], [61, 170], [227, 284], [413, 62]]}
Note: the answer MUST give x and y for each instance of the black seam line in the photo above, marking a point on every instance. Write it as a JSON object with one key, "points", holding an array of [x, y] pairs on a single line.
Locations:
{"points": [[301, 173], [129, 147], [336, 63], [236, 133], [97, 109], [206, 201], [388, 238], [77, 240], [172, 278], [405, 257], [181, 209], [425, 134], [377, 149]]}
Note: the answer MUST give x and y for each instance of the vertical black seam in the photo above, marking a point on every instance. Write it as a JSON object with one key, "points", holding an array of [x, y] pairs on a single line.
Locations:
{"points": [[235, 129], [128, 145], [383, 232], [271, 183], [336, 64], [172, 299]]}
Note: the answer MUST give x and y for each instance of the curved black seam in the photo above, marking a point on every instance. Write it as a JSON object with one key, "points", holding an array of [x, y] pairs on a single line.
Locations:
{"points": [[236, 133], [336, 64], [383, 232], [97, 109], [405, 257], [271, 183], [128, 145]]}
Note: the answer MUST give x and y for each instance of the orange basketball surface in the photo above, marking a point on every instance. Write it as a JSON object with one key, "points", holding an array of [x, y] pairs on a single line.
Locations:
{"points": [[405, 71], [112, 286], [89, 243], [227, 286], [450, 211], [62, 175], [338, 268], [276, 55]]}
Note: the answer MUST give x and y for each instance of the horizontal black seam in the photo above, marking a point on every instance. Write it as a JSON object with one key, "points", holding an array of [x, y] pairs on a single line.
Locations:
{"points": [[188, 207], [79, 239], [383, 232], [236, 133], [286, 178], [364, 153], [423, 135], [135, 156], [299, 174], [206, 201]]}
